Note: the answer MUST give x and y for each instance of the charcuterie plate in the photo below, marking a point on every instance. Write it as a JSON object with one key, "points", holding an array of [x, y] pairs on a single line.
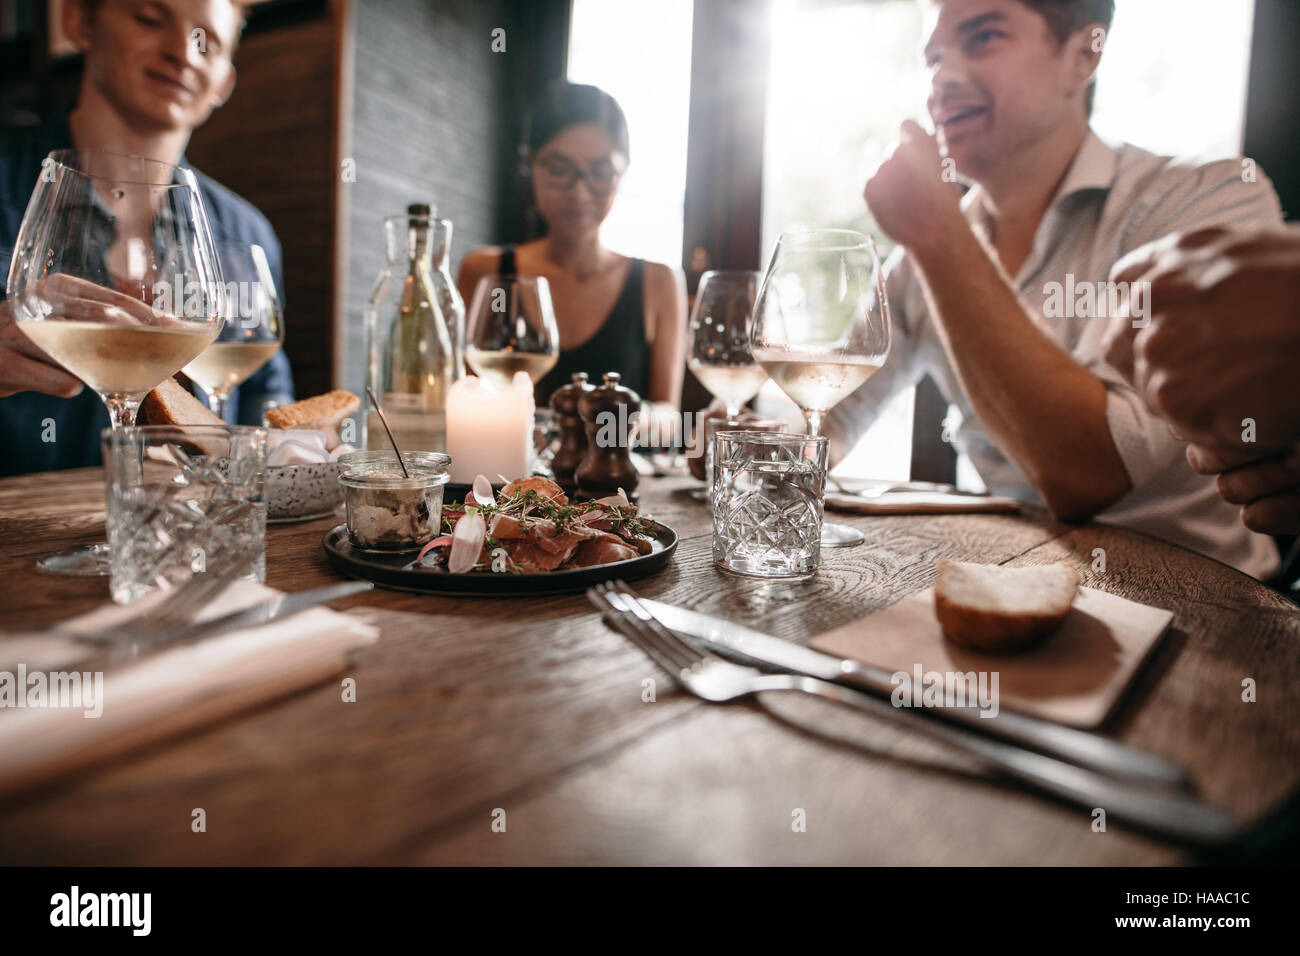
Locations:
{"points": [[397, 570]]}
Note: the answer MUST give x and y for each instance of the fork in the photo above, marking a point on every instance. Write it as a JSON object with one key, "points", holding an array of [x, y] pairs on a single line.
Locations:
{"points": [[711, 678], [173, 611]]}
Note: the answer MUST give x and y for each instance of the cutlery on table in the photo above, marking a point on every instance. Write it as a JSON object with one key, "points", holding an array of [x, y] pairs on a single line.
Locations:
{"points": [[1077, 746], [1158, 809], [881, 490], [172, 625]]}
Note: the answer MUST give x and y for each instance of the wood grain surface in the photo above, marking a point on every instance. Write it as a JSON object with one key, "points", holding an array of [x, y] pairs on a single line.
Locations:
{"points": [[532, 712]]}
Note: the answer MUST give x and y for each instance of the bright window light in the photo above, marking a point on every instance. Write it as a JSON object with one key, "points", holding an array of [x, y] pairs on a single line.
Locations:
{"points": [[843, 77], [639, 52], [1173, 76]]}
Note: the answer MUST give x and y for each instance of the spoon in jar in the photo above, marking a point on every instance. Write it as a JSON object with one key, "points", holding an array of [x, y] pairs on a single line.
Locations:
{"points": [[384, 418]]}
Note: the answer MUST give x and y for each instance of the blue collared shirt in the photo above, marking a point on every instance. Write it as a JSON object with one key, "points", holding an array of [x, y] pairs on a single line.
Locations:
{"points": [[44, 433]]}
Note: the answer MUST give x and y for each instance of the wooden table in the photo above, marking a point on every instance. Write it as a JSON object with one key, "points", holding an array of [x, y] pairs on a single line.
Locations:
{"points": [[469, 708]]}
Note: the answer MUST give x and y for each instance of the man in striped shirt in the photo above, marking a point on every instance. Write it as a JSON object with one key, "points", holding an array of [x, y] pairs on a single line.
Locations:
{"points": [[1002, 295]]}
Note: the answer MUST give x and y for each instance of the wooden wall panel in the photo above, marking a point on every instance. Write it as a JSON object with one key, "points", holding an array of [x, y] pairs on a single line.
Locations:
{"points": [[274, 144]]}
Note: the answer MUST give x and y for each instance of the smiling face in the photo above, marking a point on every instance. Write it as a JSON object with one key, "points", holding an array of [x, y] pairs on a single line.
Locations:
{"points": [[1000, 83], [570, 203], [144, 57]]}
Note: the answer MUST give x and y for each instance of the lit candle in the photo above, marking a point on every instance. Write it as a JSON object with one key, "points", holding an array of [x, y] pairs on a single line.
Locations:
{"points": [[489, 429]]}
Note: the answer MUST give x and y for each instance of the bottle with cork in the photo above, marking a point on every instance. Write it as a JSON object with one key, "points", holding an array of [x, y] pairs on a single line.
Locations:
{"points": [[411, 353]]}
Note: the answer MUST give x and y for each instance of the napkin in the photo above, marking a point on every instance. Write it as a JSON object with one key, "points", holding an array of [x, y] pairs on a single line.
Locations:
{"points": [[133, 704], [919, 503]]}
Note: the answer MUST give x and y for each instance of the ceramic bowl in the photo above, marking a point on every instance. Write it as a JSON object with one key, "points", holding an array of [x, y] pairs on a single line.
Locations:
{"points": [[298, 492]]}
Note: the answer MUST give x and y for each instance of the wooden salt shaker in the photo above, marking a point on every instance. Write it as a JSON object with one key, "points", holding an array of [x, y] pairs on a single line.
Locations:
{"points": [[609, 415], [573, 434]]}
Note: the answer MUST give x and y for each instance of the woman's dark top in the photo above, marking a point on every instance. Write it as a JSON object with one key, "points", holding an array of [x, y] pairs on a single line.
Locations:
{"points": [[618, 346]]}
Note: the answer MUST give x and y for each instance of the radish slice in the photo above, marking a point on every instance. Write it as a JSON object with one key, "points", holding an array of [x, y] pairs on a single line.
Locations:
{"points": [[466, 543], [483, 491], [617, 501], [439, 542]]}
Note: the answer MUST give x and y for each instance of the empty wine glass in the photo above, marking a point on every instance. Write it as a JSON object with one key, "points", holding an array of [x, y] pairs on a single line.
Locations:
{"points": [[720, 353], [821, 326], [511, 328], [254, 329], [116, 277]]}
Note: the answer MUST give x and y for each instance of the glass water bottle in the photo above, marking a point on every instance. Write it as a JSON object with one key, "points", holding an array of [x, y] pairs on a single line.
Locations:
{"points": [[411, 359], [449, 300]]}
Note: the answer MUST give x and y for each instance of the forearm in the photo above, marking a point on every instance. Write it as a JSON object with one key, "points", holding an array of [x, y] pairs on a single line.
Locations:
{"points": [[1044, 410]]}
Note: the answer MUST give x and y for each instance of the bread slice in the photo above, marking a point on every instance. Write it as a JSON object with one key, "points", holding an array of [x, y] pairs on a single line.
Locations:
{"points": [[172, 404], [320, 412], [996, 609]]}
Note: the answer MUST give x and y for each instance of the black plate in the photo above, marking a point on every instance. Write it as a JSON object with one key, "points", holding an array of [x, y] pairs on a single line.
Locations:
{"points": [[395, 570]]}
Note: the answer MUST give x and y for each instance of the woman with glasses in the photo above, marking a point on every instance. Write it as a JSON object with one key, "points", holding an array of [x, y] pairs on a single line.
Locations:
{"points": [[615, 314]]}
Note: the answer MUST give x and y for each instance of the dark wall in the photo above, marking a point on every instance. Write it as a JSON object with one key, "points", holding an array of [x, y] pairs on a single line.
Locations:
{"points": [[435, 117], [273, 143], [1273, 99]]}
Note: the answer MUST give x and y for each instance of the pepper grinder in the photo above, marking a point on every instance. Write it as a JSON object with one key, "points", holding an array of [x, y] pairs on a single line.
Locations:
{"points": [[573, 434], [609, 415]]}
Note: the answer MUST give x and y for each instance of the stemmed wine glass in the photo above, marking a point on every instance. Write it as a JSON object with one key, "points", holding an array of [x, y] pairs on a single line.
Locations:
{"points": [[254, 329], [821, 326], [115, 276], [720, 354], [511, 328]]}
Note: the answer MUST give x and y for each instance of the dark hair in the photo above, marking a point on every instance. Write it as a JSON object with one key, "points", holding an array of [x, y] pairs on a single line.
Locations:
{"points": [[1064, 17], [574, 104]]}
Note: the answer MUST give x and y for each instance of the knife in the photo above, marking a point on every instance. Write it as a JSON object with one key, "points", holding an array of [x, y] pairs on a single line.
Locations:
{"points": [[270, 609], [1077, 746]]}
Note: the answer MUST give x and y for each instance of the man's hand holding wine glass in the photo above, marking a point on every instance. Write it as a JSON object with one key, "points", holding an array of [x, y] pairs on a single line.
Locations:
{"points": [[24, 367]]}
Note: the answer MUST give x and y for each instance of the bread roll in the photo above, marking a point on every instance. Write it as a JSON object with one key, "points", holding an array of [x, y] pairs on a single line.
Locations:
{"points": [[997, 609], [172, 404], [320, 412]]}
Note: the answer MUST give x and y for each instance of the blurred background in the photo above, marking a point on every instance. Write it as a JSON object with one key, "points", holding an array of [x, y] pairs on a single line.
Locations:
{"points": [[747, 118]]}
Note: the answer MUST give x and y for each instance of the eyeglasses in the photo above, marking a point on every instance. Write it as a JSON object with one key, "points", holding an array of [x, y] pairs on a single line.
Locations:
{"points": [[560, 172]]}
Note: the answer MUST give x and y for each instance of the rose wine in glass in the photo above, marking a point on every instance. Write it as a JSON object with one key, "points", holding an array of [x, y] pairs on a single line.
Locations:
{"points": [[115, 276], [254, 329], [511, 328], [821, 327], [720, 355]]}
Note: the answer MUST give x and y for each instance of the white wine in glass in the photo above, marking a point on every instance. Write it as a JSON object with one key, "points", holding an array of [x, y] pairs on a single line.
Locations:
{"points": [[115, 275], [815, 384], [821, 327], [720, 355], [511, 328], [254, 329], [500, 365]]}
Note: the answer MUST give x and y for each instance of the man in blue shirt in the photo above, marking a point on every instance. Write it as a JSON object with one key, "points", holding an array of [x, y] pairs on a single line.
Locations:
{"points": [[153, 73]]}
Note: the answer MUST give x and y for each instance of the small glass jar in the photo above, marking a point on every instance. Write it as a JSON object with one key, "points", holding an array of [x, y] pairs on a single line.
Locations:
{"points": [[387, 511]]}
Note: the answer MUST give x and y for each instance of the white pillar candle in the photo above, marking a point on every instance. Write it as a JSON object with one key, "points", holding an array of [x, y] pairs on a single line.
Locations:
{"points": [[490, 429]]}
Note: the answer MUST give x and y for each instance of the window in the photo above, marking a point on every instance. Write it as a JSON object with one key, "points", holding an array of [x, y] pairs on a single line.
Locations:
{"points": [[842, 79], [639, 52], [1173, 76]]}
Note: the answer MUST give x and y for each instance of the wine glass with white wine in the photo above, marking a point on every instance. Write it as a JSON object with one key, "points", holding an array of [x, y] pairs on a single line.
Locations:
{"points": [[115, 275], [720, 355], [254, 329], [821, 326], [511, 328]]}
